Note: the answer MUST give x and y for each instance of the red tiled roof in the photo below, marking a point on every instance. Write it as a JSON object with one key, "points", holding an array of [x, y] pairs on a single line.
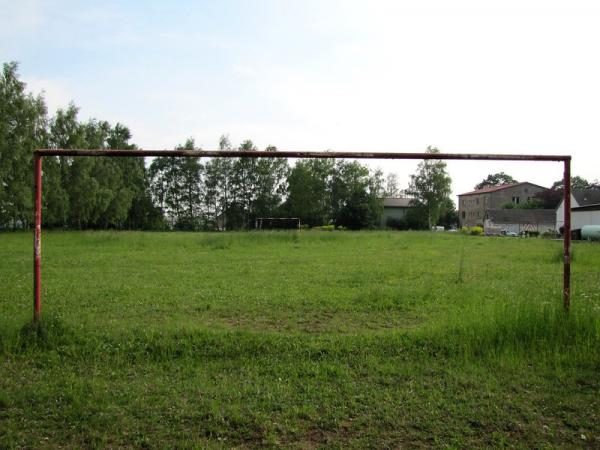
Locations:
{"points": [[497, 188]]}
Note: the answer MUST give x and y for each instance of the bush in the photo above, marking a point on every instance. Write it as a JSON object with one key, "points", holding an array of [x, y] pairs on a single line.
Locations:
{"points": [[476, 231], [396, 224], [325, 228], [473, 231]]}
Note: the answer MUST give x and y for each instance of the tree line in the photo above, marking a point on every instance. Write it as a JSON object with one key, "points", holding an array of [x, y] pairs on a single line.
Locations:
{"points": [[170, 193]]}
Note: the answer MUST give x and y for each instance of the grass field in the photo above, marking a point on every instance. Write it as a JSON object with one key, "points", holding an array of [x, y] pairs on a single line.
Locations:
{"points": [[298, 339]]}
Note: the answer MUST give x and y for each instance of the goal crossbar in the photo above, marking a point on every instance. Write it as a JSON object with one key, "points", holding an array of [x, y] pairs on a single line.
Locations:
{"points": [[40, 153]]}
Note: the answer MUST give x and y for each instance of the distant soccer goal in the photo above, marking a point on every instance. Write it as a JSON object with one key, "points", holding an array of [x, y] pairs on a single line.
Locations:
{"points": [[277, 223]]}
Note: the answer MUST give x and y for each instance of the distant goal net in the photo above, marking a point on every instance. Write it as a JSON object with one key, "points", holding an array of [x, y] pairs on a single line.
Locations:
{"points": [[277, 223]]}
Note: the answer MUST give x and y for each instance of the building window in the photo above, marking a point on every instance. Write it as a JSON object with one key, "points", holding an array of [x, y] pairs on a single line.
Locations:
{"points": [[477, 200], [515, 200], [463, 214]]}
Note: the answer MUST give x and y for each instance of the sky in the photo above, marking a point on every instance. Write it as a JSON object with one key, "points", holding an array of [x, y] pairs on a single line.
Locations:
{"points": [[341, 75]]}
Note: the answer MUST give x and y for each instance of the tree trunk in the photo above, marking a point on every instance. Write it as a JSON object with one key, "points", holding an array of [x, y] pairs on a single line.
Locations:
{"points": [[429, 215]]}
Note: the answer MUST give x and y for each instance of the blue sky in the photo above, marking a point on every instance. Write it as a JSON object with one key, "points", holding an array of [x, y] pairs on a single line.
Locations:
{"points": [[491, 77]]}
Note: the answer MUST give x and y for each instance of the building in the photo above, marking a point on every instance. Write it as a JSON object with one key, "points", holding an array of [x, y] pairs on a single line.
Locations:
{"points": [[473, 205], [394, 210], [585, 215], [584, 210], [516, 220]]}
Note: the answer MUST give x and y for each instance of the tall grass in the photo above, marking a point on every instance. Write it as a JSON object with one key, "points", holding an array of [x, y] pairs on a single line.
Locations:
{"points": [[521, 328]]}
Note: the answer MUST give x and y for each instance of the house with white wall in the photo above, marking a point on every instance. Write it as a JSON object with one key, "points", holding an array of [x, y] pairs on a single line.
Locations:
{"points": [[585, 210]]}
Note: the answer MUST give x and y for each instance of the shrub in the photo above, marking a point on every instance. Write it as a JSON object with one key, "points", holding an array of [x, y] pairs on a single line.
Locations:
{"points": [[476, 231], [396, 224], [325, 228]]}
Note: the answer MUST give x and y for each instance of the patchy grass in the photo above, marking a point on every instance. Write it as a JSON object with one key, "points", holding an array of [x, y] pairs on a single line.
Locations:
{"points": [[298, 339]]}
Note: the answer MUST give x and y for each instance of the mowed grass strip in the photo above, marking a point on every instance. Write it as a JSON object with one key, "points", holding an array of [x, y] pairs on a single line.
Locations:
{"points": [[298, 339]]}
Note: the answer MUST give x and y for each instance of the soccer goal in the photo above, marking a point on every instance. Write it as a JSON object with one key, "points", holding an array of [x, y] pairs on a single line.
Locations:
{"points": [[39, 154], [277, 223]]}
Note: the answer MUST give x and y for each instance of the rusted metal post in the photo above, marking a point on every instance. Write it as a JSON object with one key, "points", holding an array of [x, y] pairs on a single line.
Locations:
{"points": [[37, 238], [567, 236]]}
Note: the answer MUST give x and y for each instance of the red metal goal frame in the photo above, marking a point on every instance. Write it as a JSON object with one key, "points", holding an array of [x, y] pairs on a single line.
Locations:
{"points": [[39, 154]]}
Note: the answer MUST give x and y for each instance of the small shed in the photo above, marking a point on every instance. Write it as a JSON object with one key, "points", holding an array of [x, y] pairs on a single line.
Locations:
{"points": [[394, 209], [518, 220]]}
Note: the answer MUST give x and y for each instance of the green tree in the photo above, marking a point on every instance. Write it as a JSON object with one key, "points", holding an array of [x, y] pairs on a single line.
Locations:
{"points": [[271, 185], [64, 132], [161, 175], [188, 181], [449, 214], [495, 179], [356, 195], [217, 184], [551, 198], [175, 185], [577, 184], [309, 191], [22, 129], [243, 182], [392, 190], [430, 187]]}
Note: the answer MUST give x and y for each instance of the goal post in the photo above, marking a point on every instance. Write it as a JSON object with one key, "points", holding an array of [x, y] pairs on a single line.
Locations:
{"points": [[40, 153], [277, 223]]}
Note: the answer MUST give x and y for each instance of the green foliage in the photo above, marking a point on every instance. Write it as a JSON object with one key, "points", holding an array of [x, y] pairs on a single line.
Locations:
{"points": [[551, 198], [221, 194], [448, 215], [22, 129], [473, 231], [577, 184], [175, 193], [392, 190], [495, 179], [325, 228], [430, 189], [534, 203], [343, 192], [476, 231], [396, 224], [78, 192]]}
